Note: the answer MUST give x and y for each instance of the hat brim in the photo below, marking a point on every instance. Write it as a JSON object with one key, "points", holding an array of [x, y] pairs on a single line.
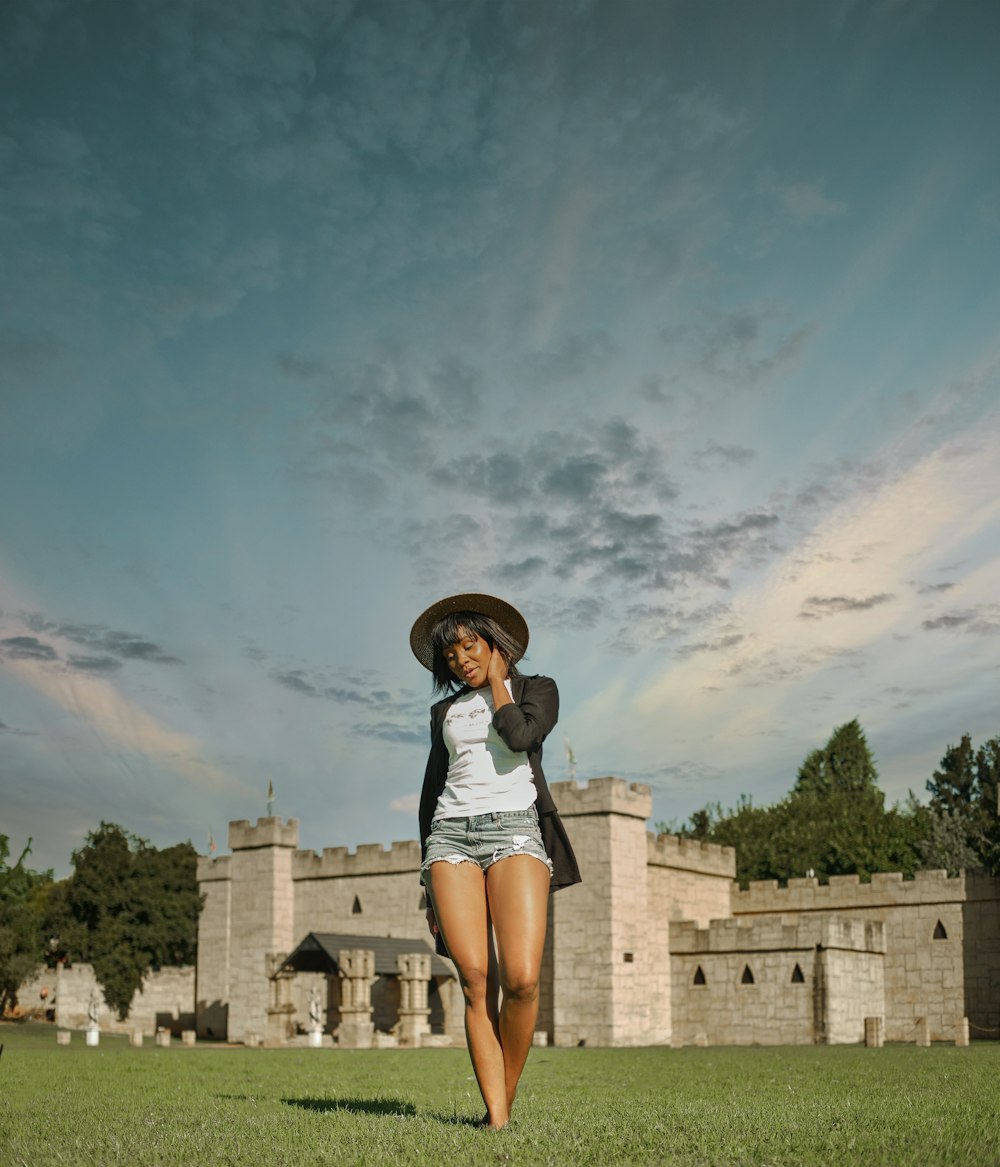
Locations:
{"points": [[506, 615]]}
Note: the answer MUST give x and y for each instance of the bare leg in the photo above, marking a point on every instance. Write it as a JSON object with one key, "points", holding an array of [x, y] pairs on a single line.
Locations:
{"points": [[518, 893], [458, 893]]}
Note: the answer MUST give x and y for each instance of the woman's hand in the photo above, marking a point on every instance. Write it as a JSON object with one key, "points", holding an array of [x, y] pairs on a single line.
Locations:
{"points": [[496, 674], [432, 923], [496, 670]]}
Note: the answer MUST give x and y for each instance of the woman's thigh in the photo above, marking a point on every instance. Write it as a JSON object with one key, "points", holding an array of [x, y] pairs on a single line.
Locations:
{"points": [[518, 893], [458, 893]]}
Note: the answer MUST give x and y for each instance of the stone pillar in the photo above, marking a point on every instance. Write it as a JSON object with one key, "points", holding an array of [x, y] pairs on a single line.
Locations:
{"points": [[414, 978], [63, 1037], [188, 1036], [280, 1025], [453, 1006], [135, 1038], [923, 1031], [356, 968], [962, 1031], [875, 1032], [163, 1037]]}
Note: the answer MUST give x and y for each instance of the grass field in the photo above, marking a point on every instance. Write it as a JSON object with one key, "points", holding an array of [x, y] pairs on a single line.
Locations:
{"points": [[838, 1105]]}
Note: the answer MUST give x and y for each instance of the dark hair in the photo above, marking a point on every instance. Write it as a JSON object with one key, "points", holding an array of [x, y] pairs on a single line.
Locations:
{"points": [[449, 629]]}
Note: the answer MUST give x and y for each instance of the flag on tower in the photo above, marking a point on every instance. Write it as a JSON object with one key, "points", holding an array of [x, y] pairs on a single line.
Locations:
{"points": [[270, 794], [211, 844]]}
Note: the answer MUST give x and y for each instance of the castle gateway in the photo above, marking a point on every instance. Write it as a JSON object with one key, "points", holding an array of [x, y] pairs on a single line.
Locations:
{"points": [[658, 945]]}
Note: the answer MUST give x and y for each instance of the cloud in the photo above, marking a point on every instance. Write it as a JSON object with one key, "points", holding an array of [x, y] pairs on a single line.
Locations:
{"points": [[818, 607], [982, 621], [743, 347], [300, 367], [95, 664], [121, 723], [27, 648], [720, 645], [715, 455], [389, 732], [407, 804], [100, 639]]}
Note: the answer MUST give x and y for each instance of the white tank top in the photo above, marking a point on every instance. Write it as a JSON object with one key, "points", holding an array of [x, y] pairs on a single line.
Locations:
{"points": [[483, 774]]}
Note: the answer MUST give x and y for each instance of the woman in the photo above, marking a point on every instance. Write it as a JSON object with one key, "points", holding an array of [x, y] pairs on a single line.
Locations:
{"points": [[493, 845]]}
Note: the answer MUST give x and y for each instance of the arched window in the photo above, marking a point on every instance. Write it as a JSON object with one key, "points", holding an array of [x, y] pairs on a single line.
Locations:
{"points": [[747, 978], [797, 977], [699, 976], [939, 931], [356, 910]]}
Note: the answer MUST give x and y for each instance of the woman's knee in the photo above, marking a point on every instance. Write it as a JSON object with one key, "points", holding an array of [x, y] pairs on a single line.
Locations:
{"points": [[520, 984], [475, 984]]}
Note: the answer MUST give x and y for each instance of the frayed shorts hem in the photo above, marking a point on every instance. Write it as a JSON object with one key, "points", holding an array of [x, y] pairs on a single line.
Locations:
{"points": [[485, 840]]}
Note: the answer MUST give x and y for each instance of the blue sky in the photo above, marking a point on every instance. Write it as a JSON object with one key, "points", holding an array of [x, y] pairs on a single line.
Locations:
{"points": [[676, 324]]}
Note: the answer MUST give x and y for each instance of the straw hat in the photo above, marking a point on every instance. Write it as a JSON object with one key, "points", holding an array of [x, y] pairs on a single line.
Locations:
{"points": [[506, 615]]}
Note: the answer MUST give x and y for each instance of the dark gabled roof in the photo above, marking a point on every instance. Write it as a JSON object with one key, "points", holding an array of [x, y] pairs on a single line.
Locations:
{"points": [[319, 951]]}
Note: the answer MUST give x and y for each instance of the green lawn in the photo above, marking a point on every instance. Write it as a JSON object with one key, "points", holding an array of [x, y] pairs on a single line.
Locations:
{"points": [[802, 1106]]}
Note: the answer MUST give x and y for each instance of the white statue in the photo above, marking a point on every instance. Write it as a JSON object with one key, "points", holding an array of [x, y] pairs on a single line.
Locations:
{"points": [[93, 1006], [315, 1010]]}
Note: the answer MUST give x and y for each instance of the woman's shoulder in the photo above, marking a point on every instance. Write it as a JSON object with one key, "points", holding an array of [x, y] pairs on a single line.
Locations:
{"points": [[449, 699], [537, 682]]}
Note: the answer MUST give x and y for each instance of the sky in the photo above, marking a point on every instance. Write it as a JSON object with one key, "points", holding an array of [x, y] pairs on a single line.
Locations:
{"points": [[676, 324]]}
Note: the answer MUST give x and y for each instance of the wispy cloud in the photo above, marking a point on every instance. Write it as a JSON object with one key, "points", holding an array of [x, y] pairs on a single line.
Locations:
{"points": [[818, 607]]}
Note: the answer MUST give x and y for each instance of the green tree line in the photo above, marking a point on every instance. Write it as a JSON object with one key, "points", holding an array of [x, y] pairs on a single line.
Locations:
{"points": [[127, 908], [834, 820]]}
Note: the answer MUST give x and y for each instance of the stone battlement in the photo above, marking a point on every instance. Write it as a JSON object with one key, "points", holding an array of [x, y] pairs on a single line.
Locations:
{"points": [[603, 796], [847, 892], [777, 934], [368, 859], [690, 855], [268, 832], [212, 869]]}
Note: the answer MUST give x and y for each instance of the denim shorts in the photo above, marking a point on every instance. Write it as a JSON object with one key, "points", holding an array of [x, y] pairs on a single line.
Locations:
{"points": [[485, 839]]}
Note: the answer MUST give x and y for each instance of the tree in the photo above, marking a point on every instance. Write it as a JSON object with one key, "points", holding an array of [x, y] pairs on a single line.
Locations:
{"points": [[845, 763], [833, 822], [953, 785], [22, 893], [964, 828], [127, 908]]}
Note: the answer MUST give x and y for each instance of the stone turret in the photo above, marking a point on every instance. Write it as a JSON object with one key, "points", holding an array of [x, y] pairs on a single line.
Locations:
{"points": [[262, 916], [610, 970]]}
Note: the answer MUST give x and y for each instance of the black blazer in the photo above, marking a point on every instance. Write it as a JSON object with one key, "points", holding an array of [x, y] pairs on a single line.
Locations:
{"points": [[523, 726]]}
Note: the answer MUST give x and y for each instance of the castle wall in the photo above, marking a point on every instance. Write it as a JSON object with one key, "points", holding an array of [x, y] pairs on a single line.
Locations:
{"points": [[944, 978], [618, 968], [775, 981], [384, 884], [166, 1000]]}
